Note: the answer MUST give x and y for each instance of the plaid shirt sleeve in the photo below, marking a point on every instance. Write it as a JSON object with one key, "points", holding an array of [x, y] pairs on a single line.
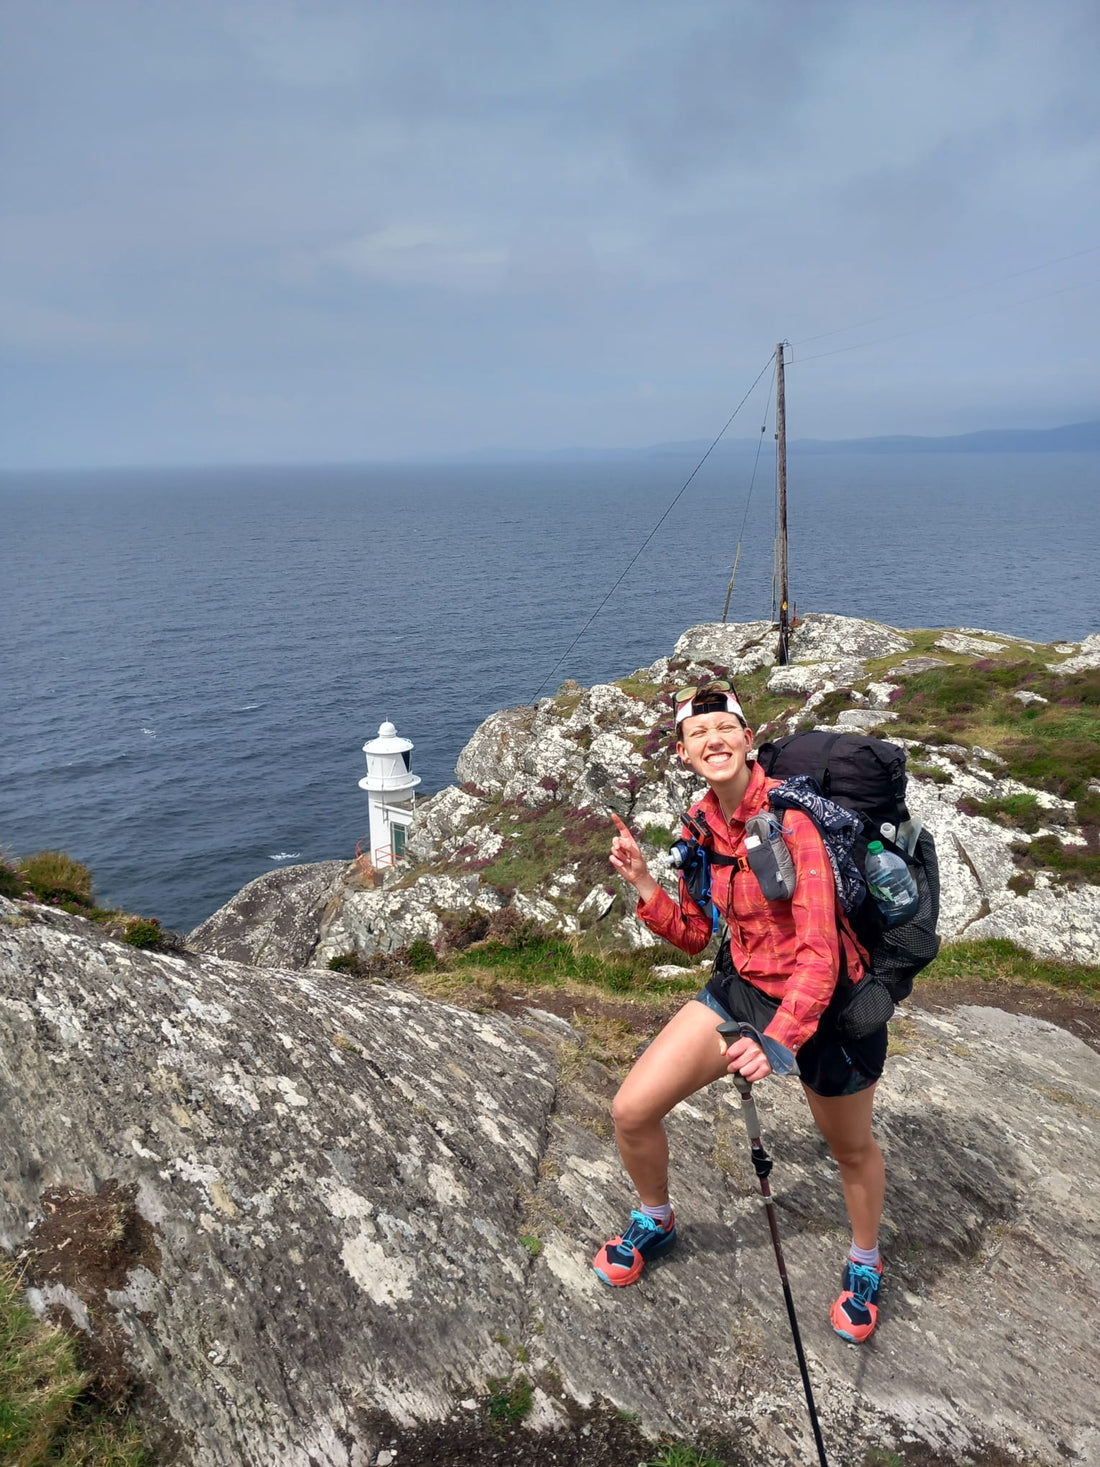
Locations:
{"points": [[685, 926]]}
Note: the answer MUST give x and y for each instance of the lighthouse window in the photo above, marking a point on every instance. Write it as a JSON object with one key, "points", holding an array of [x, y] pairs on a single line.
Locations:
{"points": [[398, 833], [408, 759]]}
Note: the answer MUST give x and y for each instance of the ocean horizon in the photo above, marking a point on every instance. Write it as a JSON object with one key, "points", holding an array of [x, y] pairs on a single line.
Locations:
{"points": [[193, 658]]}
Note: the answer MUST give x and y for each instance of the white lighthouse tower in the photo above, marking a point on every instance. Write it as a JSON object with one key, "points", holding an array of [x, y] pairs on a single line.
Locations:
{"points": [[390, 785]]}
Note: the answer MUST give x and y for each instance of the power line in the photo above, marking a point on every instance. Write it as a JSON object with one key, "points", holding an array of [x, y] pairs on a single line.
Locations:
{"points": [[638, 553], [951, 296]]}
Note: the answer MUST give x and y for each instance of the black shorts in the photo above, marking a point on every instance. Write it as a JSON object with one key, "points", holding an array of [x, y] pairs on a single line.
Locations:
{"points": [[829, 1063]]}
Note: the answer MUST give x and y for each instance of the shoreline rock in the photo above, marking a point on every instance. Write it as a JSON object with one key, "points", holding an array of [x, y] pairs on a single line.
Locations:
{"points": [[545, 778]]}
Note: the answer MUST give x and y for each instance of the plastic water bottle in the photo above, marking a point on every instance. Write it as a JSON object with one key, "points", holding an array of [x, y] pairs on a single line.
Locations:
{"points": [[891, 885]]}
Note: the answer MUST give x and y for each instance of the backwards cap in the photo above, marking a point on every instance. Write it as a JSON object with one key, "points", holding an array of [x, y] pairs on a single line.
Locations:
{"points": [[709, 700]]}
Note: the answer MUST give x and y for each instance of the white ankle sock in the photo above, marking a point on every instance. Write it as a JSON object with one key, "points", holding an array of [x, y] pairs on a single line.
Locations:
{"points": [[660, 1214], [871, 1257]]}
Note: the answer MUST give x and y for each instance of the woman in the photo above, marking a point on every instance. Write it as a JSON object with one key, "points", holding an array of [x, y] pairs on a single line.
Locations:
{"points": [[786, 957]]}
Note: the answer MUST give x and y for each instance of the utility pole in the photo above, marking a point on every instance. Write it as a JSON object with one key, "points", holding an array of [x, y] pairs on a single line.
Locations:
{"points": [[781, 473]]}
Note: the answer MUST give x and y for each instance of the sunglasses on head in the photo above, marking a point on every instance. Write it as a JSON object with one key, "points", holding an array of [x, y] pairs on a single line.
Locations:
{"points": [[713, 695], [682, 695]]}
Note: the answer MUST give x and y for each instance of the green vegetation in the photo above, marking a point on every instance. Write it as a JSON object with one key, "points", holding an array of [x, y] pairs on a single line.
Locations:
{"points": [[509, 1400], [1053, 745], [531, 1243], [1024, 812], [48, 1416], [534, 957], [931, 772], [142, 932], [421, 956], [995, 959], [541, 839], [55, 879], [679, 1454], [1070, 863], [659, 836], [53, 876]]}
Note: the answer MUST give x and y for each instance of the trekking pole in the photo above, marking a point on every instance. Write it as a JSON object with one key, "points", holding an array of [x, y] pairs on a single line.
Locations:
{"points": [[762, 1165]]}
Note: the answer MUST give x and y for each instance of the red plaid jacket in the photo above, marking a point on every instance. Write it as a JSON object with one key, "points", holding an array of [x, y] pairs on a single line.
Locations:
{"points": [[790, 950]]}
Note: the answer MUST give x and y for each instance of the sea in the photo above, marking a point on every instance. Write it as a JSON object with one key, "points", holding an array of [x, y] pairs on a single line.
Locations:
{"points": [[192, 660]]}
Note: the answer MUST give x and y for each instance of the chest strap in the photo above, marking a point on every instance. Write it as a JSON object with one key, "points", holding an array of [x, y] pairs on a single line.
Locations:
{"points": [[740, 863]]}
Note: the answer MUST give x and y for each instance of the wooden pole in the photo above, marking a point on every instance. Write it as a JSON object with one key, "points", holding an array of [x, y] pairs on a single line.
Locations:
{"points": [[781, 471]]}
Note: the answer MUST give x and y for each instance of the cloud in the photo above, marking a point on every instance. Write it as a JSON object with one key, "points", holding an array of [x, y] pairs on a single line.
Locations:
{"points": [[442, 224], [415, 254]]}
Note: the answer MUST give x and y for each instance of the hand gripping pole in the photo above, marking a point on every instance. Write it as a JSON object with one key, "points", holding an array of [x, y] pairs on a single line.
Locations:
{"points": [[762, 1165]]}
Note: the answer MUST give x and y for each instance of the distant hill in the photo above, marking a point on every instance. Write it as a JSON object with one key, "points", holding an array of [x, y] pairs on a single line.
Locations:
{"points": [[1074, 437]]}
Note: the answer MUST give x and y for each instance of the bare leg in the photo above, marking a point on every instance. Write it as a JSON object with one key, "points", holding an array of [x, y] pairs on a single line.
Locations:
{"points": [[685, 1056], [845, 1122]]}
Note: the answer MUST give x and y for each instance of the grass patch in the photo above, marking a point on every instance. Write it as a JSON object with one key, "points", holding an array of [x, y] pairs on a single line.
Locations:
{"points": [[932, 772], [679, 1454], [509, 1401], [54, 876], [47, 1418], [544, 960], [142, 932], [541, 839], [1070, 863], [54, 879], [997, 960], [1019, 812]]}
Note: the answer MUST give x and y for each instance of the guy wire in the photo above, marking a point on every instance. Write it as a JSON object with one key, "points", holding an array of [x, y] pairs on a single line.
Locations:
{"points": [[637, 554]]}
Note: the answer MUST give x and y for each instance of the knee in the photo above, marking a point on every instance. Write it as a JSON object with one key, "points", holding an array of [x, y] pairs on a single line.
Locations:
{"points": [[631, 1113], [855, 1154]]}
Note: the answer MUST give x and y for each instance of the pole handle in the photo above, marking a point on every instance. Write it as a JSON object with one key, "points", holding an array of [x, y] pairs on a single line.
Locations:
{"points": [[732, 1029]]}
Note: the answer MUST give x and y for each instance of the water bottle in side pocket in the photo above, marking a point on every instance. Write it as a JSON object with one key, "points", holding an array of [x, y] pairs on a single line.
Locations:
{"points": [[891, 884]]}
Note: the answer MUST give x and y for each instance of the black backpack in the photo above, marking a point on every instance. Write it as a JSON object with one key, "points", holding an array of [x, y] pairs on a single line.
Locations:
{"points": [[867, 776]]}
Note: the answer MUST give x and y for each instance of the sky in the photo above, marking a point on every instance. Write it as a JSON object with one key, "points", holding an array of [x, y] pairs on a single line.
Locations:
{"points": [[275, 232]]}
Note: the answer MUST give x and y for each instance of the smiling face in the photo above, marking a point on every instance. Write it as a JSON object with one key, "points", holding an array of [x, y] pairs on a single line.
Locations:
{"points": [[716, 746]]}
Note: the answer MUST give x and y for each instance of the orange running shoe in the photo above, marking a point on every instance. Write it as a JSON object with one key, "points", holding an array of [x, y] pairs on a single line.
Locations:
{"points": [[621, 1260], [855, 1313]]}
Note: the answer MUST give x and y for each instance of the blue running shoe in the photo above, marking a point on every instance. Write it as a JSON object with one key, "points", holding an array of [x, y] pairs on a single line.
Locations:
{"points": [[855, 1313], [621, 1260]]}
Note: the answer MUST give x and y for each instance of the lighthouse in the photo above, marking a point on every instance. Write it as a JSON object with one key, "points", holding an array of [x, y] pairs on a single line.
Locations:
{"points": [[390, 785]]}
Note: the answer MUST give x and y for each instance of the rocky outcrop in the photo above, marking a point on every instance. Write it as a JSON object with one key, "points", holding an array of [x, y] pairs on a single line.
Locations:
{"points": [[1082, 658], [529, 823], [309, 1214], [274, 921]]}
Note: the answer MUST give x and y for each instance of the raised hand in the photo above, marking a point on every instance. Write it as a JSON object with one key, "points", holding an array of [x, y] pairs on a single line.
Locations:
{"points": [[628, 861]]}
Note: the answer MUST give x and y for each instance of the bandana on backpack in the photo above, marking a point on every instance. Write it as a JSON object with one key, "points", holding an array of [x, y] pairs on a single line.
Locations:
{"points": [[838, 827]]}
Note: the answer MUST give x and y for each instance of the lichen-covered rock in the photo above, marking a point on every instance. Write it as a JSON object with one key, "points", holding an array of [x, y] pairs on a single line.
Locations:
{"points": [[969, 646], [326, 1179], [275, 921], [1084, 659], [976, 865], [395, 915], [823, 637], [914, 665], [734, 647], [806, 677], [293, 1207]]}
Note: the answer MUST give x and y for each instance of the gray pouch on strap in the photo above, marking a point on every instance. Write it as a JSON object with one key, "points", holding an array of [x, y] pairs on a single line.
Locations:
{"points": [[769, 858]]}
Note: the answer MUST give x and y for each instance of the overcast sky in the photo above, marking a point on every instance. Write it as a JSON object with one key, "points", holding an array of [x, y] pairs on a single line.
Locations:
{"points": [[334, 231]]}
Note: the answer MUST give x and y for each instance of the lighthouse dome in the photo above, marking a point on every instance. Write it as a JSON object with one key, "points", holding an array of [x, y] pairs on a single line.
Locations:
{"points": [[386, 730]]}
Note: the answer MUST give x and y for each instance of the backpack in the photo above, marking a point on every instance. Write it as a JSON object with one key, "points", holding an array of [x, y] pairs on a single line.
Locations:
{"points": [[867, 777]]}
